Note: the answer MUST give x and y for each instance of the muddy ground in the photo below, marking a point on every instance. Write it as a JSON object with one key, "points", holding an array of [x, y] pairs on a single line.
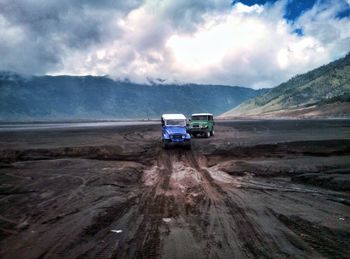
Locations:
{"points": [[257, 189]]}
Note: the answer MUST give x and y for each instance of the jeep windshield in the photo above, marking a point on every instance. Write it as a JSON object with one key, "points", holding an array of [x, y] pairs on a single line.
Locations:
{"points": [[175, 123], [200, 118]]}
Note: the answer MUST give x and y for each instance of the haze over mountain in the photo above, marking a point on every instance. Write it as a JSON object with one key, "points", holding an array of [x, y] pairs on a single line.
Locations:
{"points": [[54, 98], [322, 92]]}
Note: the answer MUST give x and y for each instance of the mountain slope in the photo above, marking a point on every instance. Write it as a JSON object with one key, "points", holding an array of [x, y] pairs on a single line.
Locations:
{"points": [[313, 94], [50, 98]]}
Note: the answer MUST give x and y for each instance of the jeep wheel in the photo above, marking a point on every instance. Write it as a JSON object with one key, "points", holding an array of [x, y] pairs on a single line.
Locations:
{"points": [[207, 134], [212, 133], [165, 145]]}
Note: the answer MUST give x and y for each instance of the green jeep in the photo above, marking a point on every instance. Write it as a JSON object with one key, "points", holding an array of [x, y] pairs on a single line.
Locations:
{"points": [[201, 124]]}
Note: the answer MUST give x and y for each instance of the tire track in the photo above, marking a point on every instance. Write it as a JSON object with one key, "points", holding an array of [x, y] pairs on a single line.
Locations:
{"points": [[253, 241], [154, 206]]}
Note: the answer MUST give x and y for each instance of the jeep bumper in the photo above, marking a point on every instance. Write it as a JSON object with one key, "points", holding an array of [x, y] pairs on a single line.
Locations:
{"points": [[198, 130]]}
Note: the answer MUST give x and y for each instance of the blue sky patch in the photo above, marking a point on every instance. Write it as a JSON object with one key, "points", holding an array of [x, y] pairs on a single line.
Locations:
{"points": [[344, 13], [299, 32], [253, 2], [294, 8]]}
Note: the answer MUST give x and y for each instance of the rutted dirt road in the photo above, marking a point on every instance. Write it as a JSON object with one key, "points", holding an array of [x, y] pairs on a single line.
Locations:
{"points": [[256, 189]]}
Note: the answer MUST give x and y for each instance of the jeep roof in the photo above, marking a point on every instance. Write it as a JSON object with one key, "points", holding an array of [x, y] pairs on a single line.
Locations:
{"points": [[202, 114], [173, 117]]}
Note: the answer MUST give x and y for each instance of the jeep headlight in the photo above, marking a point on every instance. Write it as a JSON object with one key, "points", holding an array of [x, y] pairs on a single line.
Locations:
{"points": [[183, 136]]}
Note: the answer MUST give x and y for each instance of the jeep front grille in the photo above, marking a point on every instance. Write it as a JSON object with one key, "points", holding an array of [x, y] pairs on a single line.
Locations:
{"points": [[177, 136]]}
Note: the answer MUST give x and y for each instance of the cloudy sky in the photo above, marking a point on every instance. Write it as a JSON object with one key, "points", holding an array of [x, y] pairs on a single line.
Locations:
{"points": [[248, 43]]}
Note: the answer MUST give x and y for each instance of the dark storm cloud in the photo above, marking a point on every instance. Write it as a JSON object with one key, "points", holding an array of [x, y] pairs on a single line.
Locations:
{"points": [[35, 35], [186, 15]]}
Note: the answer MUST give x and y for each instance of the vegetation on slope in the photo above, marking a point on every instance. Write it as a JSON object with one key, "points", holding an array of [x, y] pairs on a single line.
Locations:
{"points": [[324, 85]]}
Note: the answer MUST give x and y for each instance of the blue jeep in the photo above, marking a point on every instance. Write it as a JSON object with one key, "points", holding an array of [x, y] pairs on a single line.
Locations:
{"points": [[174, 131]]}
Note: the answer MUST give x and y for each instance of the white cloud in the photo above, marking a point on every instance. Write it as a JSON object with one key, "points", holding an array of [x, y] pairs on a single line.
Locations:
{"points": [[250, 46], [185, 41], [241, 8]]}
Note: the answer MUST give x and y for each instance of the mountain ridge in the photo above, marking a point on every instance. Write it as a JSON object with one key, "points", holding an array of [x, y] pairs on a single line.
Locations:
{"points": [[64, 97], [328, 84]]}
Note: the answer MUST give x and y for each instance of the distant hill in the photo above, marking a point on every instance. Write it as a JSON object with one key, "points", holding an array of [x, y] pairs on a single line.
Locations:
{"points": [[54, 98], [322, 92]]}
